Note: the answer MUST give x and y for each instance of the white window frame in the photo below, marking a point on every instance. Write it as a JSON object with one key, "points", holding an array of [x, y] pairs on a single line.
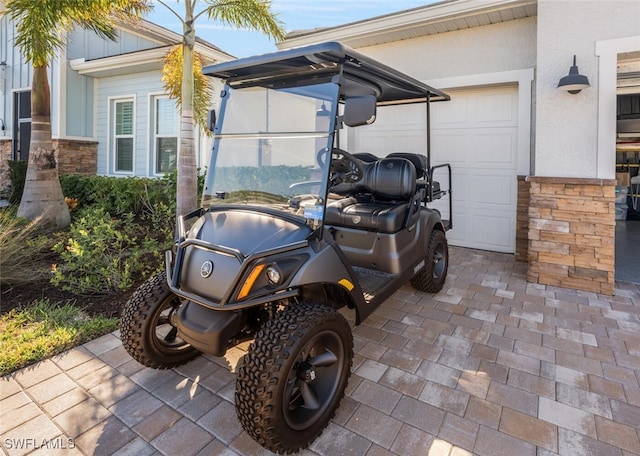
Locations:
{"points": [[153, 134], [113, 102]]}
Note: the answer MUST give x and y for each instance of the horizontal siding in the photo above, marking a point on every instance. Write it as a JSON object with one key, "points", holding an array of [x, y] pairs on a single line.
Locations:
{"points": [[138, 86]]}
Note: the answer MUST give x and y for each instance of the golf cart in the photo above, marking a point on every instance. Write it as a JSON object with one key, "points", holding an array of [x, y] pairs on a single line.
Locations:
{"points": [[292, 229]]}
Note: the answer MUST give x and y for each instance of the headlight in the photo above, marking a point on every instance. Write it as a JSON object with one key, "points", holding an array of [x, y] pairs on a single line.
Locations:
{"points": [[273, 274]]}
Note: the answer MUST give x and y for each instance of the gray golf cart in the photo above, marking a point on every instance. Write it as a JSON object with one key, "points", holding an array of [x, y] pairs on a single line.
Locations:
{"points": [[292, 229]]}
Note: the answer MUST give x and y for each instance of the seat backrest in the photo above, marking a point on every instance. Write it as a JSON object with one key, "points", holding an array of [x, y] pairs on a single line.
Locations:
{"points": [[366, 157], [419, 162], [392, 178]]}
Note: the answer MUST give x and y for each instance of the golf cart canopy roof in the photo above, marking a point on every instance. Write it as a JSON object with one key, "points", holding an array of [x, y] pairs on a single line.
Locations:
{"points": [[359, 74]]}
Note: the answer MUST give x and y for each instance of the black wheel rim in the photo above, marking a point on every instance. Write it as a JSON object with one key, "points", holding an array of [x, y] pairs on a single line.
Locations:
{"points": [[164, 334], [439, 260], [313, 380]]}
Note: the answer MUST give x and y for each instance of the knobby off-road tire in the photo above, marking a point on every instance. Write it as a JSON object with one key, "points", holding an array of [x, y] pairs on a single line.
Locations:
{"points": [[145, 329], [431, 278], [293, 377]]}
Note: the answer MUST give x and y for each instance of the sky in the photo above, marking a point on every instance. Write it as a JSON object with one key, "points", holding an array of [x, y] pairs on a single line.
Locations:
{"points": [[296, 15]]}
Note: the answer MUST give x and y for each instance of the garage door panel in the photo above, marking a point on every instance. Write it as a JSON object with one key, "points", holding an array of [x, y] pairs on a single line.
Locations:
{"points": [[496, 109], [384, 144], [460, 187], [494, 147], [415, 142], [458, 236], [498, 146], [450, 114], [484, 230], [399, 117], [476, 132], [450, 147], [374, 143], [491, 190], [491, 230]]}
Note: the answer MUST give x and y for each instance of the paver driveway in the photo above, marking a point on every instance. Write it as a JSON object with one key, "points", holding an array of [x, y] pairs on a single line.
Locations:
{"points": [[492, 365]]}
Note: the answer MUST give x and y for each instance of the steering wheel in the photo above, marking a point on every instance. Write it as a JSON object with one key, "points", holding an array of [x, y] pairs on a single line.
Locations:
{"points": [[344, 166]]}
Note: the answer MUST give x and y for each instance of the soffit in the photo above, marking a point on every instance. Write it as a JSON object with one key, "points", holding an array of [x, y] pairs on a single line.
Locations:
{"points": [[137, 62], [442, 17]]}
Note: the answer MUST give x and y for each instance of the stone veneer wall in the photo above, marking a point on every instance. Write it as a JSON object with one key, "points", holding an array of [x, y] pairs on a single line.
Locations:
{"points": [[76, 157], [522, 220], [572, 233], [5, 156]]}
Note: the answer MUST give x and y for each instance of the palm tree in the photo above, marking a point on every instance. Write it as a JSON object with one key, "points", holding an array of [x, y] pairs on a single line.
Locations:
{"points": [[246, 14], [202, 88], [41, 32]]}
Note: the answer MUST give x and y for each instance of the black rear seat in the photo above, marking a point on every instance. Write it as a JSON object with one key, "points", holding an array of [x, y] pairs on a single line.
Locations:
{"points": [[380, 201]]}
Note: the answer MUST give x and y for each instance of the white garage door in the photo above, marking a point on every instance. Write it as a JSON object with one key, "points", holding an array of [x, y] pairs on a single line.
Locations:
{"points": [[476, 132]]}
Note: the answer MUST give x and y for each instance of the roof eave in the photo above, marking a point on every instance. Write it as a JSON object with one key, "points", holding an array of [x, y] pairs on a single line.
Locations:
{"points": [[442, 17], [138, 62]]}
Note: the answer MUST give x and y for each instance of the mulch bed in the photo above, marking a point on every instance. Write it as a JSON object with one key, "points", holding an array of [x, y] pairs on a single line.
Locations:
{"points": [[19, 297]]}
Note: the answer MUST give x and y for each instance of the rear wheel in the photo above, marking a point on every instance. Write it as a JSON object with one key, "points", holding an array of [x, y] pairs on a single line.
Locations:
{"points": [[431, 278], [146, 330], [293, 377]]}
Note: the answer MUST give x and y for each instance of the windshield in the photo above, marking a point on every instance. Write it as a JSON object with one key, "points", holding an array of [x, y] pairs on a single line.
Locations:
{"points": [[270, 148]]}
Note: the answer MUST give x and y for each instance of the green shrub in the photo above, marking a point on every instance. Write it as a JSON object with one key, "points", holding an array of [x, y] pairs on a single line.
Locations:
{"points": [[17, 176], [106, 254], [21, 248], [121, 195], [116, 195]]}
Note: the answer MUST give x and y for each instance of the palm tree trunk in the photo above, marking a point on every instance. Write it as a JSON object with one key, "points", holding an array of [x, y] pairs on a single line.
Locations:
{"points": [[42, 196], [187, 191]]}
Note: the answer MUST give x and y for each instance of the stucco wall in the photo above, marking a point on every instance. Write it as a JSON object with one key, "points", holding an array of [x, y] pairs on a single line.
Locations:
{"points": [[499, 47], [567, 125]]}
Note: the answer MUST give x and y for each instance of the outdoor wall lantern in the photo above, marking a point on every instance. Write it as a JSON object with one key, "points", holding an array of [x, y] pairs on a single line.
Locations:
{"points": [[574, 82]]}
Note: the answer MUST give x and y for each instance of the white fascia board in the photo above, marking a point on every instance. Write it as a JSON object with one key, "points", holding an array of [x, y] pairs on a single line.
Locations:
{"points": [[444, 11], [134, 62]]}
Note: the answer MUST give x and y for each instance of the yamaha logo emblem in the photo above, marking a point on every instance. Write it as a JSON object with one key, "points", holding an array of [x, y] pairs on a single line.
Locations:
{"points": [[206, 269]]}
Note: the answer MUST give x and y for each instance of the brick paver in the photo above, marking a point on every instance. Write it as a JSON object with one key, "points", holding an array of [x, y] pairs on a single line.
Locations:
{"points": [[491, 365]]}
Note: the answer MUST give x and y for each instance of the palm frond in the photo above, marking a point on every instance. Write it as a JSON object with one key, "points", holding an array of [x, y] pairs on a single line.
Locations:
{"points": [[247, 14], [42, 25], [172, 80]]}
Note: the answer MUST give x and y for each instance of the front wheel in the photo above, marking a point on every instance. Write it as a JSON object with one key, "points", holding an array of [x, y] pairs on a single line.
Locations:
{"points": [[146, 330], [293, 377], [431, 278]]}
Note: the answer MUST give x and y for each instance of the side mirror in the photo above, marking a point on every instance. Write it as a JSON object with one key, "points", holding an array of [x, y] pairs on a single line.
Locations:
{"points": [[211, 119], [360, 110]]}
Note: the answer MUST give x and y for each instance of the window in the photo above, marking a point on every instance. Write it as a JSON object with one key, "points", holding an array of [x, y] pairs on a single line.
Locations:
{"points": [[123, 139], [21, 125], [165, 135]]}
